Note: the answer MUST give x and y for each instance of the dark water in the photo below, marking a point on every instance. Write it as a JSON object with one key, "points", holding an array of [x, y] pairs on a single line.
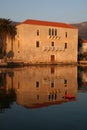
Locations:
{"points": [[43, 98]]}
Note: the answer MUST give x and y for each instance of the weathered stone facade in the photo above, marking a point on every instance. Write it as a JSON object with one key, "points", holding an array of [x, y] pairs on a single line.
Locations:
{"points": [[41, 42]]}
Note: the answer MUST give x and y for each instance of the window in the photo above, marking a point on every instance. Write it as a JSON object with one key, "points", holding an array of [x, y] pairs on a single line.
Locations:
{"points": [[37, 43], [37, 97], [52, 70], [49, 97], [52, 84], [49, 31], [65, 81], [55, 32], [52, 43], [52, 32], [37, 84], [65, 34], [37, 32], [65, 46]]}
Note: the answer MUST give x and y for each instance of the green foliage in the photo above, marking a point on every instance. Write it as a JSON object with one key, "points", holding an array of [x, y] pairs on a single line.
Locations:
{"points": [[80, 41], [7, 29]]}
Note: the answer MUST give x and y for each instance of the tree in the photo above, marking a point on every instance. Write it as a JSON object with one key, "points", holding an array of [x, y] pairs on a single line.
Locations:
{"points": [[80, 42], [7, 30]]}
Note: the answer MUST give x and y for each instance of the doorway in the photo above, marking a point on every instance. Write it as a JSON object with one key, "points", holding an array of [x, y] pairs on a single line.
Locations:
{"points": [[52, 58]]}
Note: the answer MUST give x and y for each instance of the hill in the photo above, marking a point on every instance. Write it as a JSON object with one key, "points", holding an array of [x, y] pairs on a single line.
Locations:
{"points": [[82, 29]]}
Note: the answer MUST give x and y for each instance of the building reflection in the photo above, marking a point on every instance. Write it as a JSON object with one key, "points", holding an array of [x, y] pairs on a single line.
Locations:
{"points": [[83, 79], [40, 86]]}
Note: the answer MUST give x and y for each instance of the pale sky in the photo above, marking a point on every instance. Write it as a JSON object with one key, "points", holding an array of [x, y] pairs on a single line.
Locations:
{"points": [[69, 11]]}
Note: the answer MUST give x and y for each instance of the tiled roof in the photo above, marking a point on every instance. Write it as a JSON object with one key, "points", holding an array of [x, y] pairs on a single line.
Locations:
{"points": [[47, 23], [84, 41]]}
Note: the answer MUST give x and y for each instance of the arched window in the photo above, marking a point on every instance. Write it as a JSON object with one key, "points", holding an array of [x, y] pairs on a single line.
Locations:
{"points": [[52, 32], [37, 32], [55, 32], [49, 31]]}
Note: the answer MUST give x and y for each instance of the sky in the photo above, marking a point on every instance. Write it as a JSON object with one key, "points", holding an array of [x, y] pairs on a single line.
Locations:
{"points": [[68, 11]]}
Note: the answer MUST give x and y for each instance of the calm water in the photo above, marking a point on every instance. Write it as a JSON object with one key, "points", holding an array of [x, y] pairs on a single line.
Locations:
{"points": [[43, 98]]}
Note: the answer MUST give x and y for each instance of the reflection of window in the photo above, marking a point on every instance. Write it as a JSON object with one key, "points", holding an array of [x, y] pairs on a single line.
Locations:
{"points": [[49, 97], [52, 96], [52, 70], [37, 84], [37, 43], [65, 81], [37, 97], [65, 45], [52, 84]]}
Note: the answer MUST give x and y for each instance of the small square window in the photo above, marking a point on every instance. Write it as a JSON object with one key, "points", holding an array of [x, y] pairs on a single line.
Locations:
{"points": [[65, 81], [37, 84], [65, 46]]}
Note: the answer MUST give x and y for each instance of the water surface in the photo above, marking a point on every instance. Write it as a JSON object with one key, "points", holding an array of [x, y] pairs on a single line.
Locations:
{"points": [[43, 97]]}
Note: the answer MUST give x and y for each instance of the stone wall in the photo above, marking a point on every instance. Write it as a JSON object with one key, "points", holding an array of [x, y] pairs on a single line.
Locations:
{"points": [[25, 45]]}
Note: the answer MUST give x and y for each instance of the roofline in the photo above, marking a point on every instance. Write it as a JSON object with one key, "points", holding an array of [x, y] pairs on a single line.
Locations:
{"points": [[48, 23]]}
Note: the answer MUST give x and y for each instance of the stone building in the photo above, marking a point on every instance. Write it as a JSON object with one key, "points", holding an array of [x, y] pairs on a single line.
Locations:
{"points": [[43, 42]]}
